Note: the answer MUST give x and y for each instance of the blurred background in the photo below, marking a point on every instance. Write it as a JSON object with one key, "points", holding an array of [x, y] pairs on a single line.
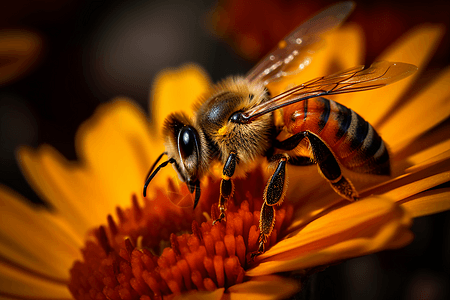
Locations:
{"points": [[59, 59]]}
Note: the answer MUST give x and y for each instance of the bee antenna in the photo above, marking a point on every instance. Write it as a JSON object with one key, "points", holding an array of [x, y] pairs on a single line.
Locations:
{"points": [[155, 163], [150, 177]]}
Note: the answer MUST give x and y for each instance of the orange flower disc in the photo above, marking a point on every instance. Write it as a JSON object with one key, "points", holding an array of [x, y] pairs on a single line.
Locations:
{"points": [[140, 257]]}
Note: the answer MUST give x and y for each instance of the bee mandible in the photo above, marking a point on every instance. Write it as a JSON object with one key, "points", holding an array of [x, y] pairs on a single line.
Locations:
{"points": [[236, 125]]}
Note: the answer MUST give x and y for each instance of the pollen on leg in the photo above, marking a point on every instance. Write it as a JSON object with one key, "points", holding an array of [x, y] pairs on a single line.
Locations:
{"points": [[154, 248]]}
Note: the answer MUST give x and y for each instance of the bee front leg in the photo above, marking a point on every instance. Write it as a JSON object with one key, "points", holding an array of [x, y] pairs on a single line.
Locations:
{"points": [[226, 185], [273, 195]]}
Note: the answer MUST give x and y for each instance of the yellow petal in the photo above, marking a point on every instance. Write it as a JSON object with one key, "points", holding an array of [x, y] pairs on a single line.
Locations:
{"points": [[309, 174], [264, 288], [64, 185], [344, 219], [429, 157], [311, 196], [427, 203], [417, 186], [344, 48], [347, 48], [390, 236], [116, 145], [420, 114], [201, 295], [428, 149], [416, 47], [360, 228], [34, 240], [418, 178], [177, 90], [19, 285], [115, 150]]}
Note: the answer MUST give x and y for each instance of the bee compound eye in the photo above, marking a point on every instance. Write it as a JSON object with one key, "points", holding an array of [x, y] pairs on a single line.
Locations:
{"points": [[186, 142]]}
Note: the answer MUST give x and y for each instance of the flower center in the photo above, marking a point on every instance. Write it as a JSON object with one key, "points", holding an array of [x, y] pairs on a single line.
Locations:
{"points": [[161, 249]]}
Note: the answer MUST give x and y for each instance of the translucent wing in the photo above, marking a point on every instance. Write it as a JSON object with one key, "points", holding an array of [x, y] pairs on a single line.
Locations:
{"points": [[355, 79], [292, 53]]}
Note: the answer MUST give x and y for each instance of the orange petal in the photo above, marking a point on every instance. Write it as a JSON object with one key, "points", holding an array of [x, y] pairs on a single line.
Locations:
{"points": [[177, 90], [416, 47], [356, 229], [19, 53], [201, 295], [23, 230], [15, 284], [344, 48], [427, 203], [403, 126], [264, 288]]}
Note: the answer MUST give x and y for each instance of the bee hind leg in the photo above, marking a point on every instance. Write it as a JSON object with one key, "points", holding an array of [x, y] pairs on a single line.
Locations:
{"points": [[330, 169], [326, 161], [273, 195], [226, 185]]}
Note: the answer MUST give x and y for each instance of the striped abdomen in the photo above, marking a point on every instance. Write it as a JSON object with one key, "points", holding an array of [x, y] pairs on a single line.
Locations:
{"points": [[354, 142]]}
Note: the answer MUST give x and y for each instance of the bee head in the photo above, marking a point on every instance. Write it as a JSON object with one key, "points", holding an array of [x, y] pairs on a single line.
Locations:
{"points": [[183, 145]]}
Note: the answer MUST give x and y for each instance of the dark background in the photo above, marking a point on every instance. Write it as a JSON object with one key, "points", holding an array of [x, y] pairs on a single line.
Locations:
{"points": [[93, 51]]}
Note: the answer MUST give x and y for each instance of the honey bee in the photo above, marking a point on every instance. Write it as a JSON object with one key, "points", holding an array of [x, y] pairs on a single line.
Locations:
{"points": [[236, 124]]}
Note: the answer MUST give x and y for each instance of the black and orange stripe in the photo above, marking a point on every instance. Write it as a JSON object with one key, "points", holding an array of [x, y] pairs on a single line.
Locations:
{"points": [[353, 141]]}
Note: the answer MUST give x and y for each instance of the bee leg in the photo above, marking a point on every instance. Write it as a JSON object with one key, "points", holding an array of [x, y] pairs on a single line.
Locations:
{"points": [[326, 161], [291, 142], [226, 185], [330, 168], [266, 224], [273, 195]]}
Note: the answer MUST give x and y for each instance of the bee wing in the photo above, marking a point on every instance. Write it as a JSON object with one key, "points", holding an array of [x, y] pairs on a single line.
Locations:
{"points": [[291, 55], [355, 79]]}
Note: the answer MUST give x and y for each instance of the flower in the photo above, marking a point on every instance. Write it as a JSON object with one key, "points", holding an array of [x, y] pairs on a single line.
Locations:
{"points": [[19, 53], [39, 251], [253, 27]]}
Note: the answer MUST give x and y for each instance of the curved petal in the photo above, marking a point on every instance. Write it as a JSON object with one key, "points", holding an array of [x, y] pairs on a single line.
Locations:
{"points": [[430, 148], [23, 230], [404, 125], [390, 235], [115, 150], [60, 183], [176, 90], [360, 228], [344, 48], [197, 295], [416, 47], [15, 284], [19, 53], [117, 146], [314, 204], [410, 189], [264, 288], [422, 177], [429, 157], [427, 203]]}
